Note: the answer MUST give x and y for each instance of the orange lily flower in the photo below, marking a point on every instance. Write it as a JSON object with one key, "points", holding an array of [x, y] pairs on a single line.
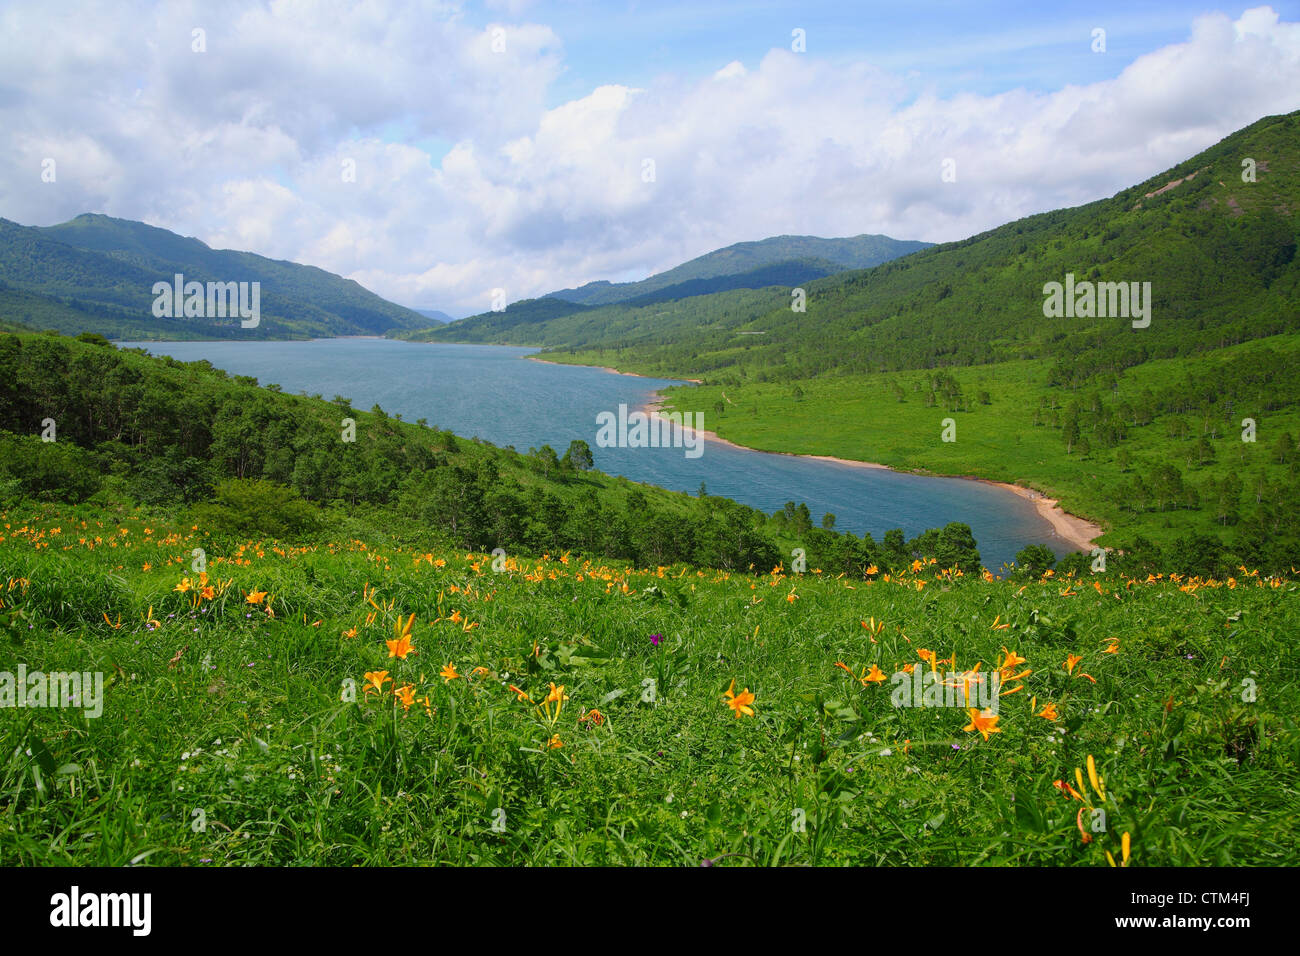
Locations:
{"points": [[984, 723], [739, 703]]}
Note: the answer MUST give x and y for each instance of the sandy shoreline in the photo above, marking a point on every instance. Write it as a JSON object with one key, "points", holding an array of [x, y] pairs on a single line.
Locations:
{"points": [[1077, 532]]}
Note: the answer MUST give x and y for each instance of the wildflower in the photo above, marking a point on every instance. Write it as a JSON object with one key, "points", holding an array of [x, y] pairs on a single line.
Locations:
{"points": [[401, 645], [255, 597], [875, 676], [1097, 783], [1114, 646], [554, 743], [985, 723], [557, 696], [655, 639], [1078, 822], [448, 673], [406, 694], [1065, 788], [1048, 712], [375, 681], [351, 632], [1011, 661], [519, 694], [593, 715], [183, 586], [1070, 661], [739, 703], [208, 593]]}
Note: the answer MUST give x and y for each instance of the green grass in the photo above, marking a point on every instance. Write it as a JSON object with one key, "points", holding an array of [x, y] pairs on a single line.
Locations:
{"points": [[227, 710]]}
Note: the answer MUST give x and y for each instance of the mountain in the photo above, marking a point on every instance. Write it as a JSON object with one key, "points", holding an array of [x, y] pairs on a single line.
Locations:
{"points": [[96, 273], [435, 314], [1219, 254], [783, 261], [817, 256]]}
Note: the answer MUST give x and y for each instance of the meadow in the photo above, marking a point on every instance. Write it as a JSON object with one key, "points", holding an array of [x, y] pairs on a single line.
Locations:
{"points": [[353, 701]]}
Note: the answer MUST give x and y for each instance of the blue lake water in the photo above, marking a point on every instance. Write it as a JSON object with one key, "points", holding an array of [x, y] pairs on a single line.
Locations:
{"points": [[496, 394]]}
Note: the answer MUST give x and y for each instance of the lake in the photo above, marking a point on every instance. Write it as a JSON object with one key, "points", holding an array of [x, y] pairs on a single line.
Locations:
{"points": [[494, 393]]}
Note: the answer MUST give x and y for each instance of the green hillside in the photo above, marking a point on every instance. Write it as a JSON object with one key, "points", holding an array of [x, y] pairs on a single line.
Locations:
{"points": [[96, 274], [1138, 428]]}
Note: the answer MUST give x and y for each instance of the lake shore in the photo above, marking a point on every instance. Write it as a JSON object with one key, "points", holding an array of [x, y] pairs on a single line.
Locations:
{"points": [[1075, 531]]}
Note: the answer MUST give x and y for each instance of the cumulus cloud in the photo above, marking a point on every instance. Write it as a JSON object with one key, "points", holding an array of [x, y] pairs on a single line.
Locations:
{"points": [[416, 152]]}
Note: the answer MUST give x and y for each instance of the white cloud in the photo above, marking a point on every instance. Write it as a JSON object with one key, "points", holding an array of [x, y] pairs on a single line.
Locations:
{"points": [[244, 145]]}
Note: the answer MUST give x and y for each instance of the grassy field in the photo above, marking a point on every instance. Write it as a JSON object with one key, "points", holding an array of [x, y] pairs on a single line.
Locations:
{"points": [[259, 714]]}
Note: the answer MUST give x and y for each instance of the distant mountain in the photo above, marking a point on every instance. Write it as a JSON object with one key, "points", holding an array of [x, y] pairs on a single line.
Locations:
{"points": [[824, 256], [783, 261], [96, 274], [435, 314]]}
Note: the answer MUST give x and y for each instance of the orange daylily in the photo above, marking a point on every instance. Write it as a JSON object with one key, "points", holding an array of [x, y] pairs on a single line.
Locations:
{"points": [[874, 676], [1065, 788], [448, 673], [401, 645], [739, 703], [984, 723]]}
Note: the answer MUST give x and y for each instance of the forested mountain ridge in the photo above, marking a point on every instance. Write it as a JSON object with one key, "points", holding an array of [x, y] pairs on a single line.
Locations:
{"points": [[96, 274], [1215, 236]]}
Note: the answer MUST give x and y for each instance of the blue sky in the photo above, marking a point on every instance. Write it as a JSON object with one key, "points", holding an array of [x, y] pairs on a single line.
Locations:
{"points": [[952, 46], [524, 169]]}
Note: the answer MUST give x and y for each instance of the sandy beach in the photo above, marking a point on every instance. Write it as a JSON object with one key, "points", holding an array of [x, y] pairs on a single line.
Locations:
{"points": [[1078, 532]]}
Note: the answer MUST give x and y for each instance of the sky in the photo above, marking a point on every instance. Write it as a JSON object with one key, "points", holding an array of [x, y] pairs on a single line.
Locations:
{"points": [[437, 152]]}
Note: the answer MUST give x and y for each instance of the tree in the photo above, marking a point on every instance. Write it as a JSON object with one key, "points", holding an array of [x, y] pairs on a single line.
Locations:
{"points": [[828, 521], [1034, 559], [579, 455], [546, 459], [955, 547]]}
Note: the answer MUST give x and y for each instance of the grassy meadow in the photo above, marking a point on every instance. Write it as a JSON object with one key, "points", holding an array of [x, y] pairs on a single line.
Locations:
{"points": [[354, 702]]}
